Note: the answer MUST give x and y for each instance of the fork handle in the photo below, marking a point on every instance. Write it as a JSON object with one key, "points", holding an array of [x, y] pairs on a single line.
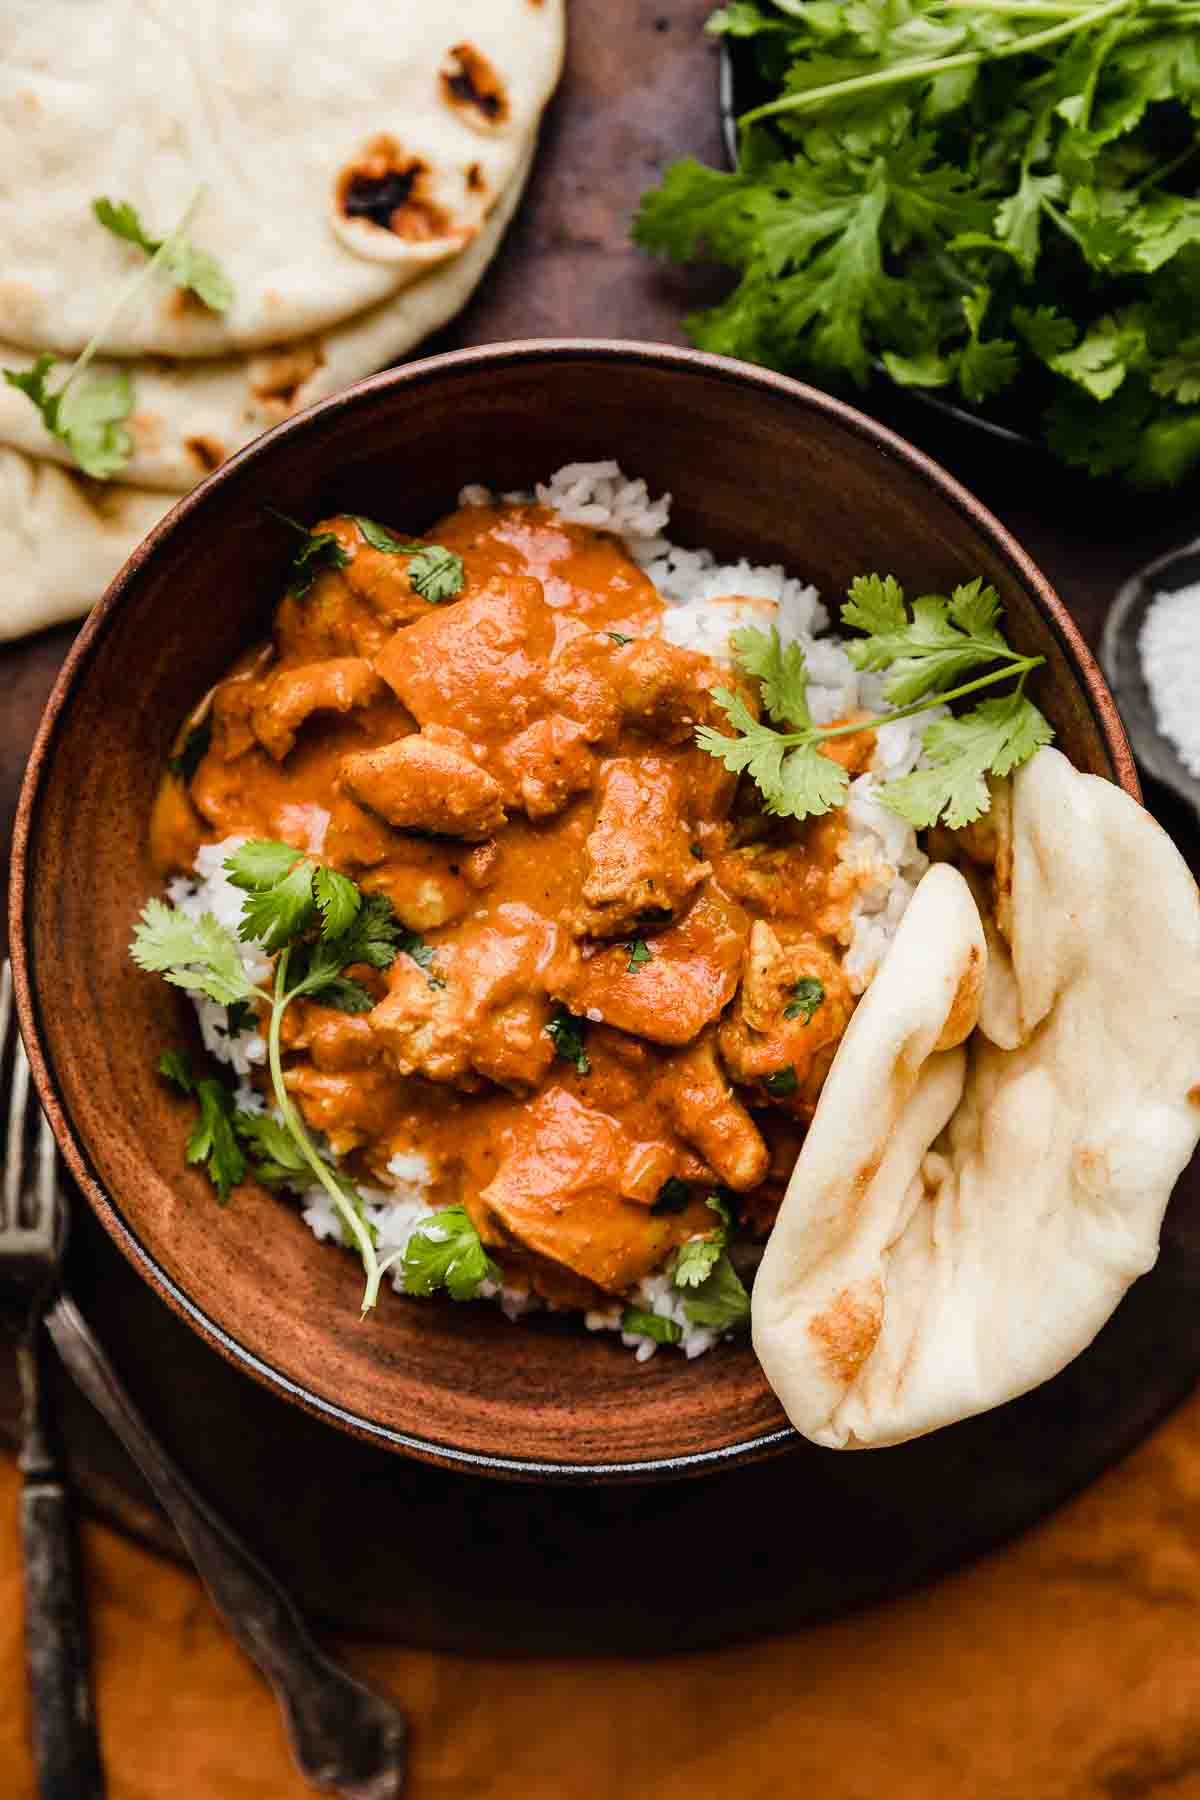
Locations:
{"points": [[345, 1738], [66, 1753]]}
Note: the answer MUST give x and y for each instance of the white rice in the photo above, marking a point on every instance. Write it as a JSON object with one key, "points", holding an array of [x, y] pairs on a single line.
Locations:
{"points": [[706, 601]]}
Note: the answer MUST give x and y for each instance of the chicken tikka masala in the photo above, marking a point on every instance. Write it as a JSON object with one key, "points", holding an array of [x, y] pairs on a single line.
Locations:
{"points": [[623, 985]]}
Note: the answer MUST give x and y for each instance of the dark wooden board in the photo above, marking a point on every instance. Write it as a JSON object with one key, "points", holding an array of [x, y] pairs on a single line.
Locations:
{"points": [[372, 1543]]}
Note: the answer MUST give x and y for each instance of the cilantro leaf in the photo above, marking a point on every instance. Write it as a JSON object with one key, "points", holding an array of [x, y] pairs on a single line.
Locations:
{"points": [[213, 1140], [995, 736], [781, 671], [176, 1066], [191, 753], [278, 911], [196, 954], [436, 574], [876, 605], [86, 415], [380, 538], [984, 366], [188, 267], [1045, 330], [807, 995], [781, 1082], [338, 901], [320, 551], [695, 1261], [720, 1302], [566, 1032], [655, 1326], [275, 1156], [445, 1252], [1177, 377], [1104, 355], [639, 953]]}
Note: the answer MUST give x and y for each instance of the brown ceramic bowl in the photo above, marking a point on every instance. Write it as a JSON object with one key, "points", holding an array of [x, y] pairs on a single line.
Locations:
{"points": [[759, 466]]}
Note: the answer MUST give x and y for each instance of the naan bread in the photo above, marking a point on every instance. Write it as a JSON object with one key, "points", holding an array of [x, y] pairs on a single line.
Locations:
{"points": [[62, 539], [960, 1224], [189, 416], [345, 150]]}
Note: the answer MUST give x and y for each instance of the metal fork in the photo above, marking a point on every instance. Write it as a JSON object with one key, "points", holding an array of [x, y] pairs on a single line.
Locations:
{"points": [[66, 1753], [346, 1739]]}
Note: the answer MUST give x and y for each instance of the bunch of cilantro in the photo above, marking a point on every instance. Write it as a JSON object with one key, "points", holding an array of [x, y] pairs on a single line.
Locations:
{"points": [[997, 197]]}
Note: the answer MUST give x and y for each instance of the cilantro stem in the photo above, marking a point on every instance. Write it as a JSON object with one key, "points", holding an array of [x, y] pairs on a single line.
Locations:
{"points": [[308, 1150], [917, 71], [130, 293], [1018, 666]]}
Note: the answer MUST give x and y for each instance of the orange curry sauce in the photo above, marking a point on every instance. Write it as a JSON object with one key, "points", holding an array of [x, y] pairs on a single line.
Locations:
{"points": [[524, 785]]}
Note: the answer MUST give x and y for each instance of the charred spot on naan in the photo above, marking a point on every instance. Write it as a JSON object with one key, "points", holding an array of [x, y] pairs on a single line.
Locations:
{"points": [[388, 188], [847, 1332], [963, 1016], [206, 452], [277, 376], [473, 88]]}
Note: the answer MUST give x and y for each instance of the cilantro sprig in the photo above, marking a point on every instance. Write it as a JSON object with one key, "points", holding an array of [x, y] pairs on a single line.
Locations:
{"points": [[189, 268], [925, 653], [89, 416], [997, 196], [317, 924]]}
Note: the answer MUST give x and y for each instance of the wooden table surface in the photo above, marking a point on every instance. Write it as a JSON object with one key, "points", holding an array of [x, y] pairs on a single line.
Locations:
{"points": [[641, 88]]}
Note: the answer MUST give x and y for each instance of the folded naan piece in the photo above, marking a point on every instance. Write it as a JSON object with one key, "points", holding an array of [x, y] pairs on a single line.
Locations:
{"points": [[344, 150], [961, 1222]]}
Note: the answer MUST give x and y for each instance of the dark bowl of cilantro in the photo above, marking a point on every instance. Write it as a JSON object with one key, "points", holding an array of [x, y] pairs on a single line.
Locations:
{"points": [[996, 206], [803, 481]]}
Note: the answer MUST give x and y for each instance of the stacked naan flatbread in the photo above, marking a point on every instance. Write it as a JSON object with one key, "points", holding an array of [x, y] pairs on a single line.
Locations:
{"points": [[359, 164], [994, 1149]]}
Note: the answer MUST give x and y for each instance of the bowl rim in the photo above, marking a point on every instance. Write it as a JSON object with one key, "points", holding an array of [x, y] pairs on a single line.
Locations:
{"points": [[449, 365]]}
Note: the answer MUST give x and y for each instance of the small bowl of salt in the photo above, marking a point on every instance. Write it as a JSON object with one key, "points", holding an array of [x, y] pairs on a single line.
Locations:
{"points": [[1151, 657]]}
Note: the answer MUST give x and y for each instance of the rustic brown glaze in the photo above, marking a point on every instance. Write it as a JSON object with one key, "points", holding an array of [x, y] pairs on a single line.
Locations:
{"points": [[759, 466]]}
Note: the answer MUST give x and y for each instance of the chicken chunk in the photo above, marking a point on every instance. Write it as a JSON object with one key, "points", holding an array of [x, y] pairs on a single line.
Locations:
{"points": [[558, 1194], [707, 1114], [666, 691], [288, 698], [638, 861], [681, 983], [792, 1008], [425, 783], [474, 666], [544, 765], [345, 1105], [483, 1015], [579, 682]]}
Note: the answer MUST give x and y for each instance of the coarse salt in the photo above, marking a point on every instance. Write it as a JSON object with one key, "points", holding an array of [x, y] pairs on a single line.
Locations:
{"points": [[1169, 645]]}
